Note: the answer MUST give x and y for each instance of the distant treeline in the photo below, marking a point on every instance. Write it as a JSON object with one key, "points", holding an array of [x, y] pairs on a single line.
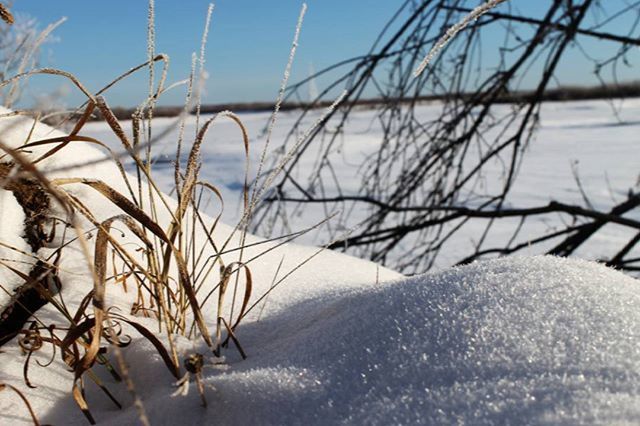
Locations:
{"points": [[568, 93]]}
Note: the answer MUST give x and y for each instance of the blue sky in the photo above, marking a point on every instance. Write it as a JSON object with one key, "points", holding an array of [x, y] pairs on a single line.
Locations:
{"points": [[248, 44]]}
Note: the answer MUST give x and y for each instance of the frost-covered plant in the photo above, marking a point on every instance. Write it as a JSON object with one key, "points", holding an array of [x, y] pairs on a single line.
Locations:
{"points": [[454, 30], [21, 41]]}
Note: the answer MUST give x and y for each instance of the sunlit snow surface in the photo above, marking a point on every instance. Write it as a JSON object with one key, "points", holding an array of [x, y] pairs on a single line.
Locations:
{"points": [[523, 340], [534, 340], [519, 341]]}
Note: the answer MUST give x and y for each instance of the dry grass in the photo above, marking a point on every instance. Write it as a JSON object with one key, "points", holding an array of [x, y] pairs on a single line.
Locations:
{"points": [[169, 267], [5, 386]]}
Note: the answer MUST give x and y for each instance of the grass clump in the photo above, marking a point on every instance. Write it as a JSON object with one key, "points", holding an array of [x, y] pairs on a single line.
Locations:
{"points": [[160, 250]]}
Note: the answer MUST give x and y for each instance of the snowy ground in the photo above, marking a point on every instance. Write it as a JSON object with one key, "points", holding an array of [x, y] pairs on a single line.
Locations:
{"points": [[535, 340]]}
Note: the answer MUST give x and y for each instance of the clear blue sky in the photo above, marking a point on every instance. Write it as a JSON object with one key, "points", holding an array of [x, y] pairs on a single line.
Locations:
{"points": [[248, 44]]}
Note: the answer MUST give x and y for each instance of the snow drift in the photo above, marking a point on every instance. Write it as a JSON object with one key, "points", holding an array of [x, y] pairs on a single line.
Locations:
{"points": [[515, 341], [518, 340]]}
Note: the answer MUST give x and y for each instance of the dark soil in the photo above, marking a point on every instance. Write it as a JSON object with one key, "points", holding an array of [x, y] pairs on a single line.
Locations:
{"points": [[32, 295]]}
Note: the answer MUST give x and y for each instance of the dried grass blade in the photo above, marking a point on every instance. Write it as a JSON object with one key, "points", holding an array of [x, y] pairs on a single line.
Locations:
{"points": [[3, 386], [119, 200], [5, 15], [82, 403], [76, 129], [233, 337], [247, 293], [162, 351]]}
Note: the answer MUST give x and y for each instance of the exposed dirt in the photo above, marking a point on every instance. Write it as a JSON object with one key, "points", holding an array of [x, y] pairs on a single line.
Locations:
{"points": [[34, 201], [31, 296]]}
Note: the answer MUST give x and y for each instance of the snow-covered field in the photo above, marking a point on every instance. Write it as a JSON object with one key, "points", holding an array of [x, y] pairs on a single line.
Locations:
{"points": [[536, 340], [597, 139]]}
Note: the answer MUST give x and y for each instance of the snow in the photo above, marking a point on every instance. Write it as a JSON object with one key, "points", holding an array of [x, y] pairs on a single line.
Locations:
{"points": [[537, 340], [533, 340]]}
